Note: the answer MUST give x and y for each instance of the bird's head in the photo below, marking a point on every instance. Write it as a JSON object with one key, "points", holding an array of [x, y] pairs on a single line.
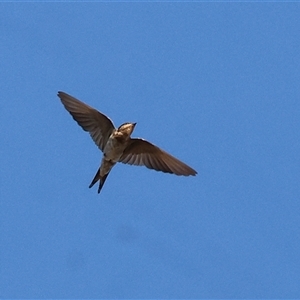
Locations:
{"points": [[126, 128]]}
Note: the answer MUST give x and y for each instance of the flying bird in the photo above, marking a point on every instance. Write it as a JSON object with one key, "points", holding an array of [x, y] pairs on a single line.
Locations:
{"points": [[117, 144]]}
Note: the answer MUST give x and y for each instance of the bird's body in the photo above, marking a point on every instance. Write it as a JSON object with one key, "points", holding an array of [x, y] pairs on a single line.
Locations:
{"points": [[112, 152], [117, 144]]}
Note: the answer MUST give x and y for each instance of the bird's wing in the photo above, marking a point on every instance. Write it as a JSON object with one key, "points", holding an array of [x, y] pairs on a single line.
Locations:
{"points": [[98, 125], [142, 153]]}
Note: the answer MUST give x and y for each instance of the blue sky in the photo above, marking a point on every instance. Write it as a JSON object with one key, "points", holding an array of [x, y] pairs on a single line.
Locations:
{"points": [[214, 84]]}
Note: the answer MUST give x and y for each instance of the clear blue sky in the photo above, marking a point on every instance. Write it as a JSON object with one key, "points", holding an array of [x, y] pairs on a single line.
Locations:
{"points": [[216, 85]]}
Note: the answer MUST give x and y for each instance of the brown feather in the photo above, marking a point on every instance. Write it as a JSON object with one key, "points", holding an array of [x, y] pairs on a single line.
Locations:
{"points": [[141, 152], [97, 124]]}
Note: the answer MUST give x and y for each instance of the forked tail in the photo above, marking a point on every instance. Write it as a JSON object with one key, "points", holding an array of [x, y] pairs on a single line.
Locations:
{"points": [[101, 180]]}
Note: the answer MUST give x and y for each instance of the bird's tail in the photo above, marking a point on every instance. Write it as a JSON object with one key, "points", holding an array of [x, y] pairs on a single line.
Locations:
{"points": [[101, 179]]}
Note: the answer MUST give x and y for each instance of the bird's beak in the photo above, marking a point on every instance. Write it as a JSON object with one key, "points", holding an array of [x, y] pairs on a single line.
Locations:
{"points": [[133, 124]]}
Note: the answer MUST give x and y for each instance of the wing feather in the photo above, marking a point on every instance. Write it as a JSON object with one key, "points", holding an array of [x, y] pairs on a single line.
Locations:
{"points": [[97, 124], [142, 153]]}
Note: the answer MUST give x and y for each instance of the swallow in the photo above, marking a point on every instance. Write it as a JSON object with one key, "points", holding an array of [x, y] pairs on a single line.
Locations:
{"points": [[117, 144]]}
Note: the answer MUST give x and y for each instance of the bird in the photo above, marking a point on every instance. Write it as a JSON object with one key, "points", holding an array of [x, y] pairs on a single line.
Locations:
{"points": [[117, 144]]}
